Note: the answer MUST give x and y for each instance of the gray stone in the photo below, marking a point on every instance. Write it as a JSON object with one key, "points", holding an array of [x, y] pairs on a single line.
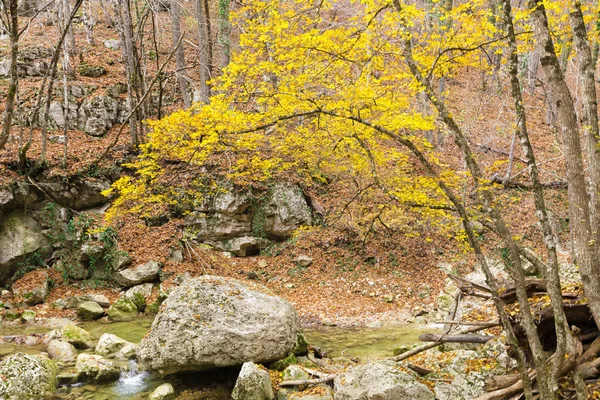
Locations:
{"points": [[112, 44], [62, 351], [285, 211], [28, 315], [140, 274], [242, 246], [110, 345], [211, 321], [163, 392], [20, 238], [95, 368], [294, 373], [303, 260], [27, 377], [253, 383], [138, 294], [89, 193], [78, 337], [122, 310], [101, 299], [381, 381], [98, 114], [90, 310]]}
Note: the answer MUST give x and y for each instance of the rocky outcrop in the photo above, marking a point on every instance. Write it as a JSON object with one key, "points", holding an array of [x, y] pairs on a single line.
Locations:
{"points": [[110, 345], [79, 194], [32, 61], [381, 381], [253, 383], [26, 377], [21, 238], [211, 321], [98, 114], [243, 223]]}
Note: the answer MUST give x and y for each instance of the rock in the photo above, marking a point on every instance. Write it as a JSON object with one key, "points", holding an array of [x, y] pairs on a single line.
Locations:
{"points": [[96, 368], [140, 274], [20, 238], [12, 315], [74, 269], [212, 321], [138, 294], [92, 71], [27, 377], [127, 352], [253, 383], [303, 260], [28, 315], [294, 373], [101, 299], [78, 337], [122, 260], [381, 381], [282, 364], [112, 44], [123, 310], [33, 288], [89, 193], [90, 310], [109, 345], [98, 114], [242, 246], [285, 211], [67, 378], [163, 392], [62, 351]]}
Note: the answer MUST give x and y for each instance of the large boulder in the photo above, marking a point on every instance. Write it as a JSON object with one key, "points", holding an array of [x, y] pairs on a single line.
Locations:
{"points": [[253, 383], [90, 310], [78, 337], [143, 273], [21, 238], [122, 310], [379, 381], [27, 377], [211, 321], [110, 345], [286, 211]]}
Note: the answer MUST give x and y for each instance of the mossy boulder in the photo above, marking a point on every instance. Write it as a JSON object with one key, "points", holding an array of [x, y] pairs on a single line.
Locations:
{"points": [[92, 71], [28, 315], [97, 369], [27, 377], [78, 337], [123, 310], [253, 383], [12, 315]]}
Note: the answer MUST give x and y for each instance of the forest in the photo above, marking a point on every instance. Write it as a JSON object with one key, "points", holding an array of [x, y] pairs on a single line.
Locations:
{"points": [[325, 199]]}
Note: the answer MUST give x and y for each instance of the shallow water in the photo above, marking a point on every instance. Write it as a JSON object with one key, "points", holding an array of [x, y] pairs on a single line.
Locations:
{"points": [[367, 343]]}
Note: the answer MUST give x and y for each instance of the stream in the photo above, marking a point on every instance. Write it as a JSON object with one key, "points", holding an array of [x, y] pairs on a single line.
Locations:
{"points": [[367, 343]]}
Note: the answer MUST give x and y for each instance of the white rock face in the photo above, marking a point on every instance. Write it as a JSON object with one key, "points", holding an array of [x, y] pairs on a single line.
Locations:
{"points": [[211, 321], [380, 381], [253, 383]]}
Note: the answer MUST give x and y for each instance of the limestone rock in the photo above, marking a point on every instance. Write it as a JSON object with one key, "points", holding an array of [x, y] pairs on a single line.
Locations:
{"points": [[140, 274], [20, 237], [110, 345], [123, 310], [27, 377], [210, 321], [253, 383], [303, 260], [242, 246], [112, 44], [285, 211], [62, 351], [163, 392], [90, 310], [138, 294], [101, 299], [294, 373], [381, 381], [98, 114], [78, 337], [96, 368], [28, 315]]}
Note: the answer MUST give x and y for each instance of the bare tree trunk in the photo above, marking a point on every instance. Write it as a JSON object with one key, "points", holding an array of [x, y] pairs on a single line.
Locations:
{"points": [[131, 72], [224, 32], [181, 73], [203, 49], [13, 28], [567, 125], [89, 22]]}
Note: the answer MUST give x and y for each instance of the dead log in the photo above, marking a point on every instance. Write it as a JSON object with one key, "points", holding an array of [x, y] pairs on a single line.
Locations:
{"points": [[533, 286], [458, 338], [303, 382], [483, 324], [421, 371], [500, 382]]}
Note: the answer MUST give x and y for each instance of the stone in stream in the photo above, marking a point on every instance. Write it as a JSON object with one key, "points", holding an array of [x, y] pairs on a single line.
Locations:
{"points": [[78, 337], [27, 377], [382, 381], [163, 392], [96, 368], [28, 315], [110, 345], [211, 321], [253, 383], [89, 310], [123, 310], [62, 351]]}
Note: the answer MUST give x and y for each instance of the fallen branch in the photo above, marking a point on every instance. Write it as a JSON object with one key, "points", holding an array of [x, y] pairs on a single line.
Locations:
{"points": [[459, 338], [494, 383], [303, 382], [485, 324], [421, 371]]}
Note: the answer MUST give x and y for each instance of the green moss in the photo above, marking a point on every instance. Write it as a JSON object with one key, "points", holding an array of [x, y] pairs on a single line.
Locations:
{"points": [[282, 364], [301, 347]]}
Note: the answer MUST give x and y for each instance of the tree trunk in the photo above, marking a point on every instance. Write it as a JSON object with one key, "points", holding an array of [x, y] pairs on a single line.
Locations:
{"points": [[14, 77], [224, 32], [131, 72], [181, 74], [567, 125], [203, 49]]}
